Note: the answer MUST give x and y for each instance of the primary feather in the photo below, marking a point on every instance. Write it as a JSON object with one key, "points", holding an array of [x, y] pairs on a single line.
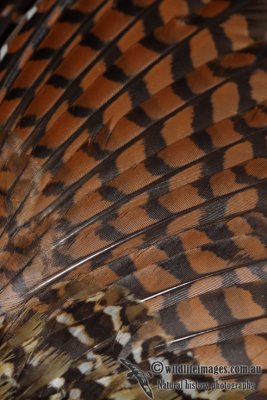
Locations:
{"points": [[132, 195]]}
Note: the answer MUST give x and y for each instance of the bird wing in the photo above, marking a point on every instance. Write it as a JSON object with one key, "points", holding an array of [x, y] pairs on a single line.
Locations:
{"points": [[132, 195]]}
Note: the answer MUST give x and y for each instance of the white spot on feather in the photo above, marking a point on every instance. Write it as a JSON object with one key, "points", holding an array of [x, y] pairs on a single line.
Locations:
{"points": [[75, 394], [85, 368], [6, 369], [57, 383], [66, 319], [105, 381], [3, 51], [137, 354], [123, 338], [114, 312], [32, 11], [79, 332]]}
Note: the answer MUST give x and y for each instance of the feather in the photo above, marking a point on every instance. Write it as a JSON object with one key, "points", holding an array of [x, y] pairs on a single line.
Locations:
{"points": [[132, 198]]}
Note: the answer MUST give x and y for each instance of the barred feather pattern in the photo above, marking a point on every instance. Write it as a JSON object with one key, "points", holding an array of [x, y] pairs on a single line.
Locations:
{"points": [[133, 212]]}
